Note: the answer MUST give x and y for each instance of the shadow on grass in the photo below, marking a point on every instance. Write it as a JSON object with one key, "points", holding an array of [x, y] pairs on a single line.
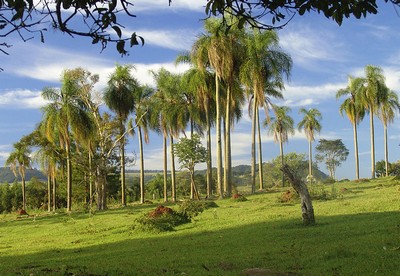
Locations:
{"points": [[360, 244]]}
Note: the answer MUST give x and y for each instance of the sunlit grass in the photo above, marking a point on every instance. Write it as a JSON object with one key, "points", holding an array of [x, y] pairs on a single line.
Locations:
{"points": [[356, 234]]}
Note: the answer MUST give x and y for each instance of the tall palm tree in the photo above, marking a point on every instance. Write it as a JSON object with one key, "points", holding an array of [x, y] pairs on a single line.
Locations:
{"points": [[142, 116], [119, 96], [171, 115], [19, 160], [386, 113], [280, 127], [262, 73], [66, 113], [311, 125], [354, 110], [373, 90]]}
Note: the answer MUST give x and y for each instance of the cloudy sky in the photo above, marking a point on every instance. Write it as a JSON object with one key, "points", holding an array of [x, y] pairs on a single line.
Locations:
{"points": [[323, 53]]}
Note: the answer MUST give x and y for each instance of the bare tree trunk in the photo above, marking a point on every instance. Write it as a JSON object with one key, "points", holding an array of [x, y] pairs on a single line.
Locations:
{"points": [[141, 165], [209, 157], [165, 169], [193, 185], [371, 120], [48, 190], [53, 179], [253, 145], [356, 151], [301, 188], [260, 162], [218, 133], [228, 155], [173, 184], [282, 159], [69, 178], [122, 160], [386, 150]]}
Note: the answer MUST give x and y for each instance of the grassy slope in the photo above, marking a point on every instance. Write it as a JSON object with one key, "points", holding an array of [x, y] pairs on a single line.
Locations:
{"points": [[358, 234]]}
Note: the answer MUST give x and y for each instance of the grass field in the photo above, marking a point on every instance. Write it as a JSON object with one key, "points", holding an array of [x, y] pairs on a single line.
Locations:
{"points": [[356, 234]]}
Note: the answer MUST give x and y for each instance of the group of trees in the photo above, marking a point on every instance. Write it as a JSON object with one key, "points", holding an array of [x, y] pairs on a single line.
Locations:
{"points": [[369, 95]]}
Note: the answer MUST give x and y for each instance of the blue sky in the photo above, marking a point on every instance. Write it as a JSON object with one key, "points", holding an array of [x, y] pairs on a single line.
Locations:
{"points": [[324, 54]]}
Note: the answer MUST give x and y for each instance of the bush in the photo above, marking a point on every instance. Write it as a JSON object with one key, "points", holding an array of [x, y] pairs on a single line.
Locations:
{"points": [[239, 197], [160, 220], [289, 196], [329, 180], [192, 208], [319, 192]]}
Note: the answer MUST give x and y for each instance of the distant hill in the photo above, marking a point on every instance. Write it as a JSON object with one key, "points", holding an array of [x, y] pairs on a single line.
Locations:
{"points": [[7, 176]]}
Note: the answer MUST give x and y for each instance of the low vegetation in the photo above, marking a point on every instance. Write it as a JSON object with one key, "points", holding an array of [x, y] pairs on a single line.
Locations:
{"points": [[356, 233]]}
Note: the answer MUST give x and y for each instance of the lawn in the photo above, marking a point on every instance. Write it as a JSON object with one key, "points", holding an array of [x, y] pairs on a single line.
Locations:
{"points": [[357, 233]]}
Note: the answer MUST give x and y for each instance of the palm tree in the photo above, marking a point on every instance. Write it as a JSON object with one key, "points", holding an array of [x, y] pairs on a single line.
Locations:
{"points": [[386, 113], [261, 72], [280, 127], [171, 116], [371, 96], [65, 113], [142, 116], [119, 96], [354, 110], [19, 160], [311, 125]]}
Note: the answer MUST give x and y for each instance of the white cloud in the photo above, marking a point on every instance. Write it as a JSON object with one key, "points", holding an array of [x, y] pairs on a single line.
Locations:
{"points": [[162, 5], [181, 39], [22, 99]]}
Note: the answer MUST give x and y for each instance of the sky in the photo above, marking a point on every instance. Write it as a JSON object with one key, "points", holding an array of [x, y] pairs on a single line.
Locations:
{"points": [[323, 55]]}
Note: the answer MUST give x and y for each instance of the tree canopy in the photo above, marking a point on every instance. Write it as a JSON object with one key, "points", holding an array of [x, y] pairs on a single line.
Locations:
{"points": [[101, 21], [333, 153]]}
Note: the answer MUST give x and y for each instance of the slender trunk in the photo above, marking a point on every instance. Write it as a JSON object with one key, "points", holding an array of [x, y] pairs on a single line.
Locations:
{"points": [[193, 185], [122, 161], [218, 133], [141, 165], [282, 161], [228, 159], [209, 160], [260, 161], [371, 120], [54, 181], [386, 150], [165, 169], [90, 180], [310, 173], [48, 190], [253, 145], [356, 151], [23, 192], [173, 184], [69, 178]]}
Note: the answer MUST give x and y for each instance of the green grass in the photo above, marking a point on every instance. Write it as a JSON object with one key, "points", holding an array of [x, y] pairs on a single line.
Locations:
{"points": [[356, 234]]}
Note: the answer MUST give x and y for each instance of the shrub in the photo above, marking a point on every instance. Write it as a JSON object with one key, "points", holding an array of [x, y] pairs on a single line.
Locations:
{"points": [[329, 180], [192, 208], [160, 220], [239, 197], [289, 196], [319, 192]]}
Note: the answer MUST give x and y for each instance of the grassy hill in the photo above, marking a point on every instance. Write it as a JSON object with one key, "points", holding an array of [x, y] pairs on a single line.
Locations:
{"points": [[356, 234], [7, 176]]}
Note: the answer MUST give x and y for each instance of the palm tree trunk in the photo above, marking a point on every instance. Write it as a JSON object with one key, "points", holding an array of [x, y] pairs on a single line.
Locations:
{"points": [[122, 160], [165, 169], [90, 180], [310, 173], [54, 181], [260, 161], [173, 184], [209, 160], [141, 165], [386, 150], [253, 146], [218, 133], [23, 192], [356, 151], [48, 190], [69, 178], [282, 161], [371, 120], [228, 157]]}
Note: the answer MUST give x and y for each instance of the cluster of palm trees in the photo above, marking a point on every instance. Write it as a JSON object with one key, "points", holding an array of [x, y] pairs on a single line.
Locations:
{"points": [[369, 94], [226, 69]]}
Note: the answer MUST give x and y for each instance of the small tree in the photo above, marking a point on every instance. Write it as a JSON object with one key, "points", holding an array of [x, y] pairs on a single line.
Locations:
{"points": [[333, 153], [190, 152]]}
